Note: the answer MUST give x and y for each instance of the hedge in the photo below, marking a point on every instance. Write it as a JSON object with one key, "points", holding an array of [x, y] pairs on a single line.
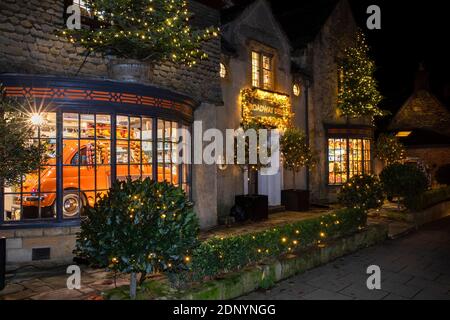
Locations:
{"points": [[221, 255], [429, 199]]}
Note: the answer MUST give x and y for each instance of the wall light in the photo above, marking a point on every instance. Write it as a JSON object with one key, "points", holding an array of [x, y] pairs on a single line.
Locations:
{"points": [[403, 134], [296, 89]]}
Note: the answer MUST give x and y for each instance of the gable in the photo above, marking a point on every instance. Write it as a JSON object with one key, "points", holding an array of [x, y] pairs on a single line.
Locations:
{"points": [[257, 22], [422, 111]]}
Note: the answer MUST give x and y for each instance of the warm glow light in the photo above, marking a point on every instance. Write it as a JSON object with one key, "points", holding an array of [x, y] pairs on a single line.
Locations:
{"points": [[403, 134], [36, 119], [296, 89], [223, 70]]}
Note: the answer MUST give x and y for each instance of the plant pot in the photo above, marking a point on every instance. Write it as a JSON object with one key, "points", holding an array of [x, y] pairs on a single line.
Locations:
{"points": [[295, 200], [255, 207], [129, 70]]}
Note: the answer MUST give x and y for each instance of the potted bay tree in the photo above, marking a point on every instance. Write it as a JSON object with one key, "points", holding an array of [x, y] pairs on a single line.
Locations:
{"points": [[134, 35], [296, 155], [252, 205]]}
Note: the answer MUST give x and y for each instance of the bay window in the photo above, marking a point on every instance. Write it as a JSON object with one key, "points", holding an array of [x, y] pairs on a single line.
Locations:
{"points": [[348, 157]]}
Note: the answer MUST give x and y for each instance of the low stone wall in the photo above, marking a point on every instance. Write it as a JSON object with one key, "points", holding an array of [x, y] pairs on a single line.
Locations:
{"points": [[21, 242], [431, 214], [263, 275]]}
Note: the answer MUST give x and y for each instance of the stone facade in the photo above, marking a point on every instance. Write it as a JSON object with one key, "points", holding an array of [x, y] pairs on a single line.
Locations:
{"points": [[21, 242], [254, 29], [319, 59], [28, 44]]}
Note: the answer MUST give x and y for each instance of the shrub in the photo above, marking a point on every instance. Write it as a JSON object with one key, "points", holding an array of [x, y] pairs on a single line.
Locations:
{"points": [[221, 255], [430, 198], [405, 181], [363, 192], [443, 175], [140, 226], [389, 149]]}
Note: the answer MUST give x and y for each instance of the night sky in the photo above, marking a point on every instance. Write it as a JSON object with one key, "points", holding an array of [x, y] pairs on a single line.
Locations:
{"points": [[412, 32]]}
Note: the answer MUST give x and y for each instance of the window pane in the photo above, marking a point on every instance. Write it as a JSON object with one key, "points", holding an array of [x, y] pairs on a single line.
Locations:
{"points": [[103, 127], [337, 161], [135, 152], [87, 126], [147, 129], [355, 157], [147, 152], [367, 157], [255, 69], [48, 128], [103, 152], [122, 151], [122, 127], [135, 128], [70, 125]]}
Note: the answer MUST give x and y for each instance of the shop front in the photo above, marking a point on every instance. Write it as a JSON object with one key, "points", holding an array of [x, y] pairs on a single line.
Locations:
{"points": [[94, 132]]}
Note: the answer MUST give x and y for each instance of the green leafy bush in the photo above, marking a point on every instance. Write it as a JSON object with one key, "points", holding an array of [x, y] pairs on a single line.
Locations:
{"points": [[430, 198], [220, 255], [443, 175], [362, 192], [405, 181], [140, 226], [389, 149]]}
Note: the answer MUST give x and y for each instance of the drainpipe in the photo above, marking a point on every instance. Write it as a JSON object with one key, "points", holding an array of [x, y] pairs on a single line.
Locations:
{"points": [[2, 262], [307, 126]]}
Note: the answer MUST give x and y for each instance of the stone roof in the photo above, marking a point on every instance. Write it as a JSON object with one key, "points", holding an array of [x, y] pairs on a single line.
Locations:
{"points": [[301, 20], [422, 111]]}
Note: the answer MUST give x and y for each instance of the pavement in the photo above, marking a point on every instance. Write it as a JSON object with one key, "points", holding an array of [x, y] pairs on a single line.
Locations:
{"points": [[414, 267]]}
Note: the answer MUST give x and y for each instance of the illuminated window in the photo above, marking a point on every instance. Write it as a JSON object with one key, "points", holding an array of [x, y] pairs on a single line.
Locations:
{"points": [[262, 71], [347, 158], [223, 71], [255, 69], [267, 72], [296, 89]]}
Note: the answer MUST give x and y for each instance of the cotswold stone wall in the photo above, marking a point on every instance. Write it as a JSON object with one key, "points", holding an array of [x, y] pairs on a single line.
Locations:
{"points": [[28, 45], [320, 59]]}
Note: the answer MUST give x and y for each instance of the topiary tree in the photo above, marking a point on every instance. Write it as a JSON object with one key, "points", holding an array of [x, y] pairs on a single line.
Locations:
{"points": [[295, 151], [362, 192], [18, 155], [140, 226], [389, 149], [147, 30], [358, 95], [443, 175], [404, 181]]}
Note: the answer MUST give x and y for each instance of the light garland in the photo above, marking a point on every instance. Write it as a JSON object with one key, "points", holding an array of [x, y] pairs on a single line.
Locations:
{"points": [[358, 94], [265, 109], [154, 31]]}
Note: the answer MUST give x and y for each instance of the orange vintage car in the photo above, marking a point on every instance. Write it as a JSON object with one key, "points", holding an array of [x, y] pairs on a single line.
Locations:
{"points": [[94, 178]]}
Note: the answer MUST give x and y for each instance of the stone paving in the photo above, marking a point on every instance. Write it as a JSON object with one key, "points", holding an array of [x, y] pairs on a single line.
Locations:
{"points": [[414, 267], [51, 284]]}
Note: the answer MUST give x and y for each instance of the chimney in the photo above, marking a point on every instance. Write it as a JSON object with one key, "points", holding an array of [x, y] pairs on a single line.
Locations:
{"points": [[422, 79]]}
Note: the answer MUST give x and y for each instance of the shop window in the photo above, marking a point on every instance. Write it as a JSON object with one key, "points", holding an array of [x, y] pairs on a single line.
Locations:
{"points": [[32, 198], [88, 164], [262, 71], [347, 158]]}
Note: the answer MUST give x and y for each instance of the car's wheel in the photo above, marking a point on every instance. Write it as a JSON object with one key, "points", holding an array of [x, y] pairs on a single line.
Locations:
{"points": [[72, 205]]}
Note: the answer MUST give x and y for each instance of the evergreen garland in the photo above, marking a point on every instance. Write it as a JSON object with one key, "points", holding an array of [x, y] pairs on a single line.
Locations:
{"points": [[146, 30]]}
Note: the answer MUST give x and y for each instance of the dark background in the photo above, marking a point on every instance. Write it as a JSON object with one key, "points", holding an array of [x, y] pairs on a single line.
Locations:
{"points": [[411, 32]]}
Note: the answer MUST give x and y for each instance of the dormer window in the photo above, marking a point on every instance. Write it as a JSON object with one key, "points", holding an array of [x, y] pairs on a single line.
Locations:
{"points": [[262, 70]]}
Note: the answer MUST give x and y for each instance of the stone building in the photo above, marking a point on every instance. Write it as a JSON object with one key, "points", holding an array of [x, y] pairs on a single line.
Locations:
{"points": [[423, 125], [89, 111], [99, 127]]}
